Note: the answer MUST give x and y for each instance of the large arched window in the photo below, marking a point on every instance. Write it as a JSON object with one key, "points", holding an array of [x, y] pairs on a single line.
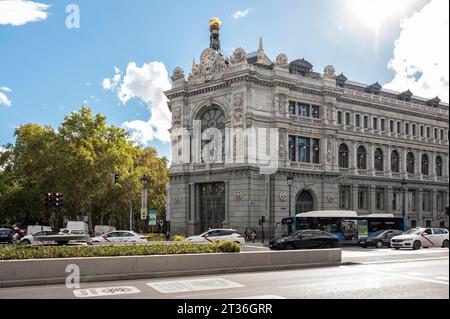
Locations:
{"points": [[438, 166], [379, 160], [213, 134], [343, 155], [362, 157], [410, 162], [424, 164], [395, 160]]}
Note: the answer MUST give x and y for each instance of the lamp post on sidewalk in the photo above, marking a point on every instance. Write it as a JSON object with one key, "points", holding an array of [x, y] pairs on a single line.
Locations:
{"points": [[404, 188], [290, 182]]}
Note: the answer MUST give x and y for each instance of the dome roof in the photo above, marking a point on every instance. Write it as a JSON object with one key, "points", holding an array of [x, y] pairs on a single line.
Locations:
{"points": [[301, 63]]}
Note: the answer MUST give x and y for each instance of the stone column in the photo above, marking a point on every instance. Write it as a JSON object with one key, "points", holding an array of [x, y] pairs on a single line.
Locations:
{"points": [[434, 208], [419, 202], [192, 213], [432, 166], [372, 199], [370, 160], [352, 158], [417, 164], [403, 162], [226, 222], [388, 162], [355, 197]]}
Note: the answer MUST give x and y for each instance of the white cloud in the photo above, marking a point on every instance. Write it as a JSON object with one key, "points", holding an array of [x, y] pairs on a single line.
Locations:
{"points": [[19, 12], [421, 53], [107, 84], [148, 84], [241, 13], [4, 100], [111, 84], [6, 89]]}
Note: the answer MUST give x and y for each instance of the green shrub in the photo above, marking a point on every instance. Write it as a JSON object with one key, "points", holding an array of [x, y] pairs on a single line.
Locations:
{"points": [[155, 237], [227, 246], [45, 252], [178, 238]]}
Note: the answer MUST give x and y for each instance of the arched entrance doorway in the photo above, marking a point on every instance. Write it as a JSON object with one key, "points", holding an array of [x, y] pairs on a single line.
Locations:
{"points": [[212, 206], [305, 202]]}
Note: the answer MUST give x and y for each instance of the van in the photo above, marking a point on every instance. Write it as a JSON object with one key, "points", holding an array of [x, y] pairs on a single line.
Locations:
{"points": [[76, 228]]}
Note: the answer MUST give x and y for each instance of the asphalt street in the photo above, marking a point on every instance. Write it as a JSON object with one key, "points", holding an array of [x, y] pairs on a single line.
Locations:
{"points": [[367, 273]]}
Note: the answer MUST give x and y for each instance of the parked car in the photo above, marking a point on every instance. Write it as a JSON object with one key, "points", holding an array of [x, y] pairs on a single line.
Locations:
{"points": [[119, 237], [421, 237], [305, 239], [213, 235], [30, 239], [6, 236], [380, 238], [31, 230]]}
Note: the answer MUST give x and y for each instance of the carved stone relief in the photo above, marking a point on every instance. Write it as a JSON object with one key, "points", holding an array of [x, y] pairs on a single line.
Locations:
{"points": [[282, 141], [282, 60], [212, 65], [178, 73], [237, 108], [176, 117], [239, 55]]}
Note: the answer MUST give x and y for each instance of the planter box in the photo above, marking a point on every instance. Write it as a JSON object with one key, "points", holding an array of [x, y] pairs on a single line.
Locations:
{"points": [[16, 273]]}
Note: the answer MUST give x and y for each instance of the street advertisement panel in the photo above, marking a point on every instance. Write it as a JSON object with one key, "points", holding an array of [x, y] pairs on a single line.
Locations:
{"points": [[363, 229], [152, 217]]}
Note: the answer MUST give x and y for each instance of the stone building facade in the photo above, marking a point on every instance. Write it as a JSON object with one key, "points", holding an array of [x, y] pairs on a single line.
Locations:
{"points": [[348, 146]]}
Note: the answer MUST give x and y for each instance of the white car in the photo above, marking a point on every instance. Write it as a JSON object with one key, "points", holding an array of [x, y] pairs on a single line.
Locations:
{"points": [[30, 240], [119, 237], [213, 235], [421, 237]]}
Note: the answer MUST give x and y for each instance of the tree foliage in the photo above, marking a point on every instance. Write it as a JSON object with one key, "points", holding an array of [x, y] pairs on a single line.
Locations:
{"points": [[78, 159]]}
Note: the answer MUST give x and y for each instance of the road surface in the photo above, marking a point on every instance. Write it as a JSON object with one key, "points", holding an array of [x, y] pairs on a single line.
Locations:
{"points": [[368, 273]]}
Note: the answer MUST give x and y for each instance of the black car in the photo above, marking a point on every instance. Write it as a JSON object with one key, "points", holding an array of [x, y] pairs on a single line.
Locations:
{"points": [[6, 236], [380, 238], [305, 239]]}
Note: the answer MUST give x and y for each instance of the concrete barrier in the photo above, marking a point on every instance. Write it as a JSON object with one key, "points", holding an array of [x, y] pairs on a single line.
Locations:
{"points": [[17, 273]]}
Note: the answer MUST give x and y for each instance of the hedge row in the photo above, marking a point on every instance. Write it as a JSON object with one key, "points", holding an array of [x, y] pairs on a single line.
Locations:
{"points": [[44, 252]]}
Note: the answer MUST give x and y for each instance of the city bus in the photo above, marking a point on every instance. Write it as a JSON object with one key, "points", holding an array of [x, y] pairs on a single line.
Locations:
{"points": [[348, 226]]}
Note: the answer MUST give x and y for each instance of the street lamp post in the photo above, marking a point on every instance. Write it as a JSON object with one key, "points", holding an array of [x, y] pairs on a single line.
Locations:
{"points": [[404, 187], [290, 182]]}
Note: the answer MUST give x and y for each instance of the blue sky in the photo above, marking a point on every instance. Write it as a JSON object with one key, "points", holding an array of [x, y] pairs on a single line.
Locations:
{"points": [[48, 70]]}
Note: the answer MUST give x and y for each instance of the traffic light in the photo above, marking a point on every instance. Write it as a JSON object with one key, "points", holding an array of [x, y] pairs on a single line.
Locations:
{"points": [[49, 199], [115, 178], [58, 198]]}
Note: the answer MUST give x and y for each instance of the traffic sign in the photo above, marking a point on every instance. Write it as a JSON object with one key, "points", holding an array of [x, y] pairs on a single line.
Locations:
{"points": [[143, 213], [152, 217]]}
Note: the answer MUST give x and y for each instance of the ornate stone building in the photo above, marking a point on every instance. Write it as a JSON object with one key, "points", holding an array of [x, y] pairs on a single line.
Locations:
{"points": [[347, 145]]}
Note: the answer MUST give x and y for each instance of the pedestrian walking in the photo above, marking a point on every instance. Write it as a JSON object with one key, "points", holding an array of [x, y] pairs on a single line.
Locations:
{"points": [[246, 235], [254, 236], [168, 235]]}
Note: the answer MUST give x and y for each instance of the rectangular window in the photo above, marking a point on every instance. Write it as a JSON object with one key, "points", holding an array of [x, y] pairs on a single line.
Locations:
{"points": [[363, 198], [414, 133], [366, 122], [391, 126], [379, 198], [407, 128], [396, 200], [399, 128], [347, 119], [412, 200], [375, 123], [304, 150], [339, 117], [316, 151], [292, 148], [421, 131], [292, 107], [304, 110], [435, 133], [440, 202], [426, 201], [358, 120], [382, 124], [344, 197], [315, 112], [428, 133], [442, 135]]}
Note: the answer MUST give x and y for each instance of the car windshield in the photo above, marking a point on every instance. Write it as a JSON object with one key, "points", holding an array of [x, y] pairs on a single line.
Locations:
{"points": [[412, 232]]}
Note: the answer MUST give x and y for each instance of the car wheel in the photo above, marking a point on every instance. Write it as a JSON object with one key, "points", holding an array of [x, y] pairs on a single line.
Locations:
{"points": [[289, 247], [364, 246], [25, 242], [379, 244], [417, 245], [397, 248], [445, 244]]}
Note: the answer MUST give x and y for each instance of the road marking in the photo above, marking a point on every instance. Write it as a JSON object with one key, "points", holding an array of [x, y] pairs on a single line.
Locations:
{"points": [[441, 278], [408, 277], [262, 297], [106, 291], [401, 260], [168, 287]]}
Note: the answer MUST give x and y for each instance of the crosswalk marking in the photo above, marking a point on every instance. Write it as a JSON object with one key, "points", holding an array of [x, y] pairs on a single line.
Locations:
{"points": [[168, 287], [105, 291]]}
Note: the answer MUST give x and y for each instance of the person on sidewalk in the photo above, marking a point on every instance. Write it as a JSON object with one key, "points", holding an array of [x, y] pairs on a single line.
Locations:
{"points": [[254, 236]]}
